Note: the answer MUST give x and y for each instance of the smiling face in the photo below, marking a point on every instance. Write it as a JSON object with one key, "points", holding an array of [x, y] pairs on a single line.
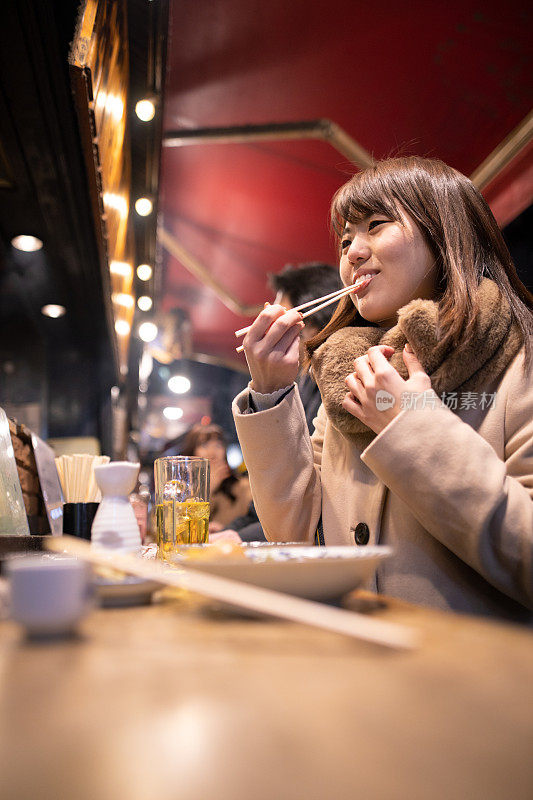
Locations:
{"points": [[396, 256]]}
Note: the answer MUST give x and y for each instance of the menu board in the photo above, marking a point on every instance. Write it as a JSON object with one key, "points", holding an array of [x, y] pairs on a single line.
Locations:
{"points": [[13, 520]]}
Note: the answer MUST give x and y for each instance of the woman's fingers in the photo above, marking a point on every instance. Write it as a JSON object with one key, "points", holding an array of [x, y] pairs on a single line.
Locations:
{"points": [[386, 349], [362, 369], [292, 346], [378, 358], [283, 329], [354, 384], [262, 323], [351, 404], [271, 348], [288, 339], [271, 325]]}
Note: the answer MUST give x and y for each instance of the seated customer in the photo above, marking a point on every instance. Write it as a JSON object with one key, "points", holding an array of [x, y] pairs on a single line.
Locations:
{"points": [[424, 440], [230, 494]]}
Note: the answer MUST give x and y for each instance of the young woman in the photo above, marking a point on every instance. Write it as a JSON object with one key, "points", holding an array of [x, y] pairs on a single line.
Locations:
{"points": [[230, 494], [424, 440]]}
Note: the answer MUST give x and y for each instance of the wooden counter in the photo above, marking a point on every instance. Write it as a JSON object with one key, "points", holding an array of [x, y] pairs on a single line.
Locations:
{"points": [[174, 700]]}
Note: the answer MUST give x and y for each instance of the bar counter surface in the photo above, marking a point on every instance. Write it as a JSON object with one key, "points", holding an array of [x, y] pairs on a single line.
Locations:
{"points": [[180, 700]]}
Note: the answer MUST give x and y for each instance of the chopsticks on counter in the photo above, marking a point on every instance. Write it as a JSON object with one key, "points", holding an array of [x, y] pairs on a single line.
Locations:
{"points": [[254, 598], [323, 301], [76, 475]]}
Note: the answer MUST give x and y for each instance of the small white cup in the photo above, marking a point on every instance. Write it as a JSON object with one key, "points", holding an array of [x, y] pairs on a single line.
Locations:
{"points": [[50, 593]]}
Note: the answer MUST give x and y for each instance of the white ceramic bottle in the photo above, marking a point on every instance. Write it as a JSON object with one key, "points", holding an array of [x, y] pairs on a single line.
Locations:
{"points": [[115, 526]]}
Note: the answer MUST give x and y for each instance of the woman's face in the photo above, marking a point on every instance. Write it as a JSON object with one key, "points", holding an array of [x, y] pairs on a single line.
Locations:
{"points": [[397, 257], [213, 449]]}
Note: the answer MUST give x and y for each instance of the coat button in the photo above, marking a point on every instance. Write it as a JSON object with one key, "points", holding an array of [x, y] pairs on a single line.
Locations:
{"points": [[361, 533]]}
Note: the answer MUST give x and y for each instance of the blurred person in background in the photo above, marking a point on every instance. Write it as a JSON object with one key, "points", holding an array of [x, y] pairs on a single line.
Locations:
{"points": [[230, 493]]}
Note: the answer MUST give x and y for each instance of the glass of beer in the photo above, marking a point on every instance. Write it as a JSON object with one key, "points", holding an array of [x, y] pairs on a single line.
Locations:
{"points": [[182, 502]]}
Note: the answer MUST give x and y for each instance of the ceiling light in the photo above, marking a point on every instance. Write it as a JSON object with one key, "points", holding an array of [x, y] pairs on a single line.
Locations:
{"points": [[144, 302], [117, 202], [146, 364], [148, 331], [144, 272], [114, 106], [27, 243], [179, 384], [122, 327], [234, 456], [123, 299], [121, 268], [145, 110], [54, 311], [173, 412], [144, 206]]}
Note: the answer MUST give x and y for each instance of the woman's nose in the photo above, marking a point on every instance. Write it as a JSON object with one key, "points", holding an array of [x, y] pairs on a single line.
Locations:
{"points": [[359, 250]]}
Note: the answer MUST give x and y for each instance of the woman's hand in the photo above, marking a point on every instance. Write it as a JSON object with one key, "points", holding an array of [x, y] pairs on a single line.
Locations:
{"points": [[227, 535], [271, 347], [375, 387]]}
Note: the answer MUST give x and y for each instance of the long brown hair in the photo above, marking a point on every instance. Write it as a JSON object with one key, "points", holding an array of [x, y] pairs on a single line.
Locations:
{"points": [[458, 227], [201, 434]]}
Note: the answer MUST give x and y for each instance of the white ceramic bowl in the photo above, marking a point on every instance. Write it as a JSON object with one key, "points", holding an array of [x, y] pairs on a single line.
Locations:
{"points": [[50, 593]]}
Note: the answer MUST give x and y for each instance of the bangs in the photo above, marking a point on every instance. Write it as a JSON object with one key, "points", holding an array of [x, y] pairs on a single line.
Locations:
{"points": [[208, 436], [365, 194]]}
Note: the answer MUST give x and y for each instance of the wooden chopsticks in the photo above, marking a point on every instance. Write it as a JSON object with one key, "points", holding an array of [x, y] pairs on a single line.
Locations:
{"points": [[244, 595], [323, 301]]}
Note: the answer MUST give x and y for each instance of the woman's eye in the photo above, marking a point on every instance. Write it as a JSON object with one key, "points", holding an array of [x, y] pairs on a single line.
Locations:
{"points": [[345, 243], [374, 222]]}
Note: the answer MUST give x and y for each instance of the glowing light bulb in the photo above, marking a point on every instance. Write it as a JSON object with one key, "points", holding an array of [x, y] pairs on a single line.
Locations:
{"points": [[53, 310], [117, 202], [124, 300], [144, 302], [27, 243], [144, 206], [121, 268], [173, 412], [144, 272], [148, 331], [145, 110], [179, 384], [122, 327]]}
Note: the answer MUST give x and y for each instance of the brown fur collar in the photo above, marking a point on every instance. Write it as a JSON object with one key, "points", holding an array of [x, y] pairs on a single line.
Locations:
{"points": [[468, 367]]}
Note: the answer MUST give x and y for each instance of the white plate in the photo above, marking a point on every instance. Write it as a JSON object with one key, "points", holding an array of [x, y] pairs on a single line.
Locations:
{"points": [[128, 591], [316, 573]]}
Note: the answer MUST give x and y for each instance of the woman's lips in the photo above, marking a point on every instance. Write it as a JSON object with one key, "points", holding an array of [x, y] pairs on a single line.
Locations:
{"points": [[362, 282]]}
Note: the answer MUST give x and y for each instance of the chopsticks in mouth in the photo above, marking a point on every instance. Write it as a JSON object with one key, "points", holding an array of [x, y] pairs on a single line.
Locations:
{"points": [[323, 302]]}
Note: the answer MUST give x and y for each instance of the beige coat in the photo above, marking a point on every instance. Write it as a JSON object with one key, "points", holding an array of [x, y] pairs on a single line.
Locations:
{"points": [[451, 492]]}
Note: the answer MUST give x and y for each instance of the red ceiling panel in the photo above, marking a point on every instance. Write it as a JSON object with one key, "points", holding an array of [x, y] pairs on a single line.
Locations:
{"points": [[449, 80]]}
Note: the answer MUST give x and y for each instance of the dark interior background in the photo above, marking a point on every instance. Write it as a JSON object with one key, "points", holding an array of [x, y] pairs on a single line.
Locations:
{"points": [[56, 375]]}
